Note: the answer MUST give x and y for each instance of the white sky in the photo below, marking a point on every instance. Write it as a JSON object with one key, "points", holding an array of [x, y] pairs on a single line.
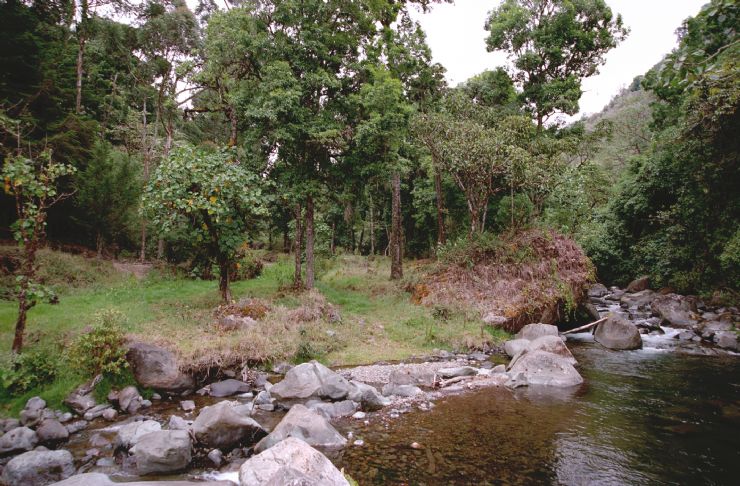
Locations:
{"points": [[456, 36]]}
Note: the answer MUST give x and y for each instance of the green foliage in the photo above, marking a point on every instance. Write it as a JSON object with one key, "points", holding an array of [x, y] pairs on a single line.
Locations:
{"points": [[514, 212], [466, 252], [29, 370], [102, 350]]}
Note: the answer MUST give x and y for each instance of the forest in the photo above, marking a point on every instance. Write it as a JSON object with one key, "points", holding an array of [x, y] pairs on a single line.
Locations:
{"points": [[248, 182]]}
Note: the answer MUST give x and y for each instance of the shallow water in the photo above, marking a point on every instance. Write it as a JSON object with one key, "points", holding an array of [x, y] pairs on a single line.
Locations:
{"points": [[642, 417]]}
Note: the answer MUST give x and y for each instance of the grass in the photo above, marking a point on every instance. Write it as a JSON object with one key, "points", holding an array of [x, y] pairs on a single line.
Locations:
{"points": [[378, 320]]}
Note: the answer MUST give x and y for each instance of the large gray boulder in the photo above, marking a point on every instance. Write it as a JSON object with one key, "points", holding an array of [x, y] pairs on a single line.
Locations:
{"points": [[367, 396], [639, 300], [18, 440], [304, 424], [675, 310], [457, 371], [412, 376], [514, 346], [618, 333], [533, 331], [287, 461], [130, 434], [543, 368], [554, 345], [727, 340], [222, 426], [597, 290], [39, 468], [156, 367], [392, 389], [98, 479], [332, 410], [311, 380], [129, 400], [228, 387], [51, 432], [639, 284], [32, 413], [164, 451]]}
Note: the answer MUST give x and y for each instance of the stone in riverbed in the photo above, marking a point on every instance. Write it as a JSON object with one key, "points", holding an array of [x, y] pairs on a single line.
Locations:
{"points": [[533, 331], [178, 423], [229, 387], [514, 346], [458, 371], [391, 389], [304, 424], [554, 345], [727, 340], [333, 410], [76, 426], [221, 426], [187, 405], [51, 432], [639, 284], [39, 468], [675, 310], [130, 434], [156, 367], [639, 300], [597, 290], [367, 396], [129, 400], [412, 376], [311, 380], [164, 451], [290, 462], [32, 413], [618, 333], [18, 440], [543, 368]]}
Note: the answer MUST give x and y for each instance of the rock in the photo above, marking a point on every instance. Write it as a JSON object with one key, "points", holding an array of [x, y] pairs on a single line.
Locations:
{"points": [[187, 405], [39, 468], [221, 426], [458, 371], [291, 462], [304, 424], [96, 411], [709, 329], [110, 415], [597, 290], [18, 440], [533, 331], [263, 398], [156, 367], [31, 414], [178, 423], [129, 400], [639, 284], [639, 300], [495, 320], [401, 390], [499, 369], [543, 368], [685, 335], [216, 457], [77, 426], [591, 310], [333, 410], [618, 333], [164, 451], [228, 387], [311, 380], [412, 376], [87, 479], [64, 417], [80, 403], [479, 357], [233, 322], [675, 310], [51, 432], [9, 424], [367, 396], [130, 434], [282, 368], [359, 415], [616, 294], [156, 396], [554, 345], [514, 346], [726, 340]]}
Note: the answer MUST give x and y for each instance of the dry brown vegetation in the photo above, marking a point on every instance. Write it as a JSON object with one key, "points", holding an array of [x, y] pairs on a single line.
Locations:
{"points": [[532, 276]]}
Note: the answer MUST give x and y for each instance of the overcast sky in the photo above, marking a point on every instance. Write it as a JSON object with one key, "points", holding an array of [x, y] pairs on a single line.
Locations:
{"points": [[456, 35]]}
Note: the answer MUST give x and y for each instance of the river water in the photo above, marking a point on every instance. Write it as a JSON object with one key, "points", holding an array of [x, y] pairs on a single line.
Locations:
{"points": [[653, 416]]}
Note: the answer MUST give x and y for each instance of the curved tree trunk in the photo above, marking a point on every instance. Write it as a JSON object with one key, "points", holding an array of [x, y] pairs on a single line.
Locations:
{"points": [[395, 244], [309, 243]]}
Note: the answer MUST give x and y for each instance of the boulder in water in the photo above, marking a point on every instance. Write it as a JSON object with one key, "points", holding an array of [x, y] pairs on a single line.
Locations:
{"points": [[391, 389], [227, 388], [618, 333], [39, 468], [51, 432], [727, 340], [221, 426], [367, 396], [554, 345], [164, 451], [290, 462], [304, 424], [639, 300], [18, 440], [128, 435], [514, 346], [533, 331], [543, 368], [333, 410], [639, 284], [675, 310], [156, 367], [311, 380], [457, 371], [597, 290]]}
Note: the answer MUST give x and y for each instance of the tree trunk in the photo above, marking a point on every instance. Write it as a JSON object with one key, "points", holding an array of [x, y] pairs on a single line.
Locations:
{"points": [[234, 125], [372, 227], [396, 256], [80, 54], [20, 323], [160, 249], [441, 233], [224, 278], [309, 243], [99, 244], [145, 148], [286, 240], [333, 237], [297, 279]]}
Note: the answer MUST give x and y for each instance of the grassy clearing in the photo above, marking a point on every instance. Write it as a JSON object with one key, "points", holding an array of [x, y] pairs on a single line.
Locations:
{"points": [[378, 321]]}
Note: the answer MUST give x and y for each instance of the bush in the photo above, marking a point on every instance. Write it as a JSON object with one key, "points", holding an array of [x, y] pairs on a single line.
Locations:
{"points": [[466, 252], [29, 370], [102, 350], [248, 267]]}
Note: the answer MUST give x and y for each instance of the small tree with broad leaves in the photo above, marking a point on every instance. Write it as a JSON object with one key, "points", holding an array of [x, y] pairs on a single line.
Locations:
{"points": [[32, 182]]}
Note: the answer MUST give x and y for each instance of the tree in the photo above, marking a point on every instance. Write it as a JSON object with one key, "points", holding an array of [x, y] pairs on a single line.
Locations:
{"points": [[32, 184], [553, 45], [209, 192]]}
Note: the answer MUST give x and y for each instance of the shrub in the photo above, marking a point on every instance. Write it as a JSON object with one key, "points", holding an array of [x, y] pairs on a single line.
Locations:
{"points": [[466, 252], [29, 370], [102, 350]]}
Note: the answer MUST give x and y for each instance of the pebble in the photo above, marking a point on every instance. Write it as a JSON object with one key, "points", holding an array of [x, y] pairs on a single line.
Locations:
{"points": [[359, 442], [187, 405], [156, 396], [359, 415], [415, 445]]}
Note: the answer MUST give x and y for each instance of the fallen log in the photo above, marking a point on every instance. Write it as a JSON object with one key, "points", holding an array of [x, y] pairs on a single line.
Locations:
{"points": [[587, 326]]}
